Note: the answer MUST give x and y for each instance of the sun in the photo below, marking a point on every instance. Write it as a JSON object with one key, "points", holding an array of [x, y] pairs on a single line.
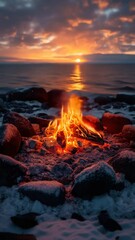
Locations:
{"points": [[78, 60]]}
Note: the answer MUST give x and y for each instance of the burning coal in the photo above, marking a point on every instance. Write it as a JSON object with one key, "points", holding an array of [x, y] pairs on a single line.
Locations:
{"points": [[69, 131]]}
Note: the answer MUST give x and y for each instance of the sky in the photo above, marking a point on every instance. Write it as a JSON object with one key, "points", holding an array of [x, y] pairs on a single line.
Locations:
{"points": [[64, 30]]}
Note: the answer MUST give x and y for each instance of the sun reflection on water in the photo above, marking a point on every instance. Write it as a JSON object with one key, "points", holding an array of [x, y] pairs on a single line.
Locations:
{"points": [[76, 78]]}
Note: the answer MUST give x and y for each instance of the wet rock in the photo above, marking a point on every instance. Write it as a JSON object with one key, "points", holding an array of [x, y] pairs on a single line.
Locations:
{"points": [[130, 99], [128, 132], [42, 122], [103, 100], [57, 98], [10, 170], [23, 124], [51, 193], [94, 180], [93, 122], [25, 221], [14, 236], [10, 139], [114, 123], [34, 93], [124, 162], [107, 222]]}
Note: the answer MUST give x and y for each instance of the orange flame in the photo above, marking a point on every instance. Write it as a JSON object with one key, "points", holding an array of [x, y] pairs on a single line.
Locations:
{"points": [[69, 131]]}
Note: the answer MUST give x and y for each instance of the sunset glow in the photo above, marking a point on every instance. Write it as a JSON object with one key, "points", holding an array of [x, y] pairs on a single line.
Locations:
{"points": [[78, 60], [36, 30]]}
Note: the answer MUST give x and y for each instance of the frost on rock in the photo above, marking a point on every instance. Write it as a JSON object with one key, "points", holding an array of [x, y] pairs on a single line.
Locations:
{"points": [[94, 180], [10, 170], [48, 192], [124, 162]]}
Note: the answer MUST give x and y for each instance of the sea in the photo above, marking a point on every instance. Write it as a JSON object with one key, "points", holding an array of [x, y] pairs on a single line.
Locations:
{"points": [[84, 77]]}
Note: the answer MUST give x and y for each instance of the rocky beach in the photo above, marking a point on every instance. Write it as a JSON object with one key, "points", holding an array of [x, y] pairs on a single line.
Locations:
{"points": [[93, 184]]}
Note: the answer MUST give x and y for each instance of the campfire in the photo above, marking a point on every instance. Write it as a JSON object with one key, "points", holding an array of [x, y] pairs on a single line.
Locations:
{"points": [[69, 133]]}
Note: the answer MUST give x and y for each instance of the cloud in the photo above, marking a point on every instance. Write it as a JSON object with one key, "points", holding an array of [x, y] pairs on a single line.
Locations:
{"points": [[66, 27]]}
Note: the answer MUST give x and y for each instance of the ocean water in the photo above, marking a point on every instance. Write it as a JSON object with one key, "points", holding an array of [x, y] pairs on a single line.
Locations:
{"points": [[91, 78]]}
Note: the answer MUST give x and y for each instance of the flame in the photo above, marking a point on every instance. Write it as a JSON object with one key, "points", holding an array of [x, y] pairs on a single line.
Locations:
{"points": [[69, 131]]}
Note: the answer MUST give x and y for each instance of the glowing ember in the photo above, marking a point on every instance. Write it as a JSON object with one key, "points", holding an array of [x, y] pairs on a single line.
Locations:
{"points": [[69, 132]]}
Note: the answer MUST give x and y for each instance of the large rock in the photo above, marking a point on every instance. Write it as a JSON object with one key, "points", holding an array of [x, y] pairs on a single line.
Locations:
{"points": [[25, 221], [51, 193], [124, 162], [10, 170], [41, 121], [57, 98], [34, 93], [103, 100], [114, 123], [130, 99], [128, 132], [94, 180], [3, 107], [10, 139], [23, 124], [15, 236]]}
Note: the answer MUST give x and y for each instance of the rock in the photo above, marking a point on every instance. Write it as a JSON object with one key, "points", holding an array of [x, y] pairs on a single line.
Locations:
{"points": [[124, 162], [62, 169], [42, 122], [94, 180], [23, 124], [34, 144], [103, 100], [34, 93], [51, 193], [25, 221], [107, 222], [10, 139], [128, 131], [57, 98], [93, 122], [114, 123], [77, 217], [10, 170], [14, 236], [3, 107], [130, 99]]}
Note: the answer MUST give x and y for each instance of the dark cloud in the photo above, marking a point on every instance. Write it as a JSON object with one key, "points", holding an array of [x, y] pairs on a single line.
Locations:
{"points": [[63, 26]]}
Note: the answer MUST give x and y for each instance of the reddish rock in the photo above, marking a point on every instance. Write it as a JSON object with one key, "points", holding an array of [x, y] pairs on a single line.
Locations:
{"points": [[114, 123], [57, 98], [93, 122], [10, 139], [128, 132], [23, 124], [34, 93]]}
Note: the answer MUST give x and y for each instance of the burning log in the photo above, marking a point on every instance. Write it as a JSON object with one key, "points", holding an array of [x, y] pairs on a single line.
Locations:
{"points": [[61, 140], [84, 133]]}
